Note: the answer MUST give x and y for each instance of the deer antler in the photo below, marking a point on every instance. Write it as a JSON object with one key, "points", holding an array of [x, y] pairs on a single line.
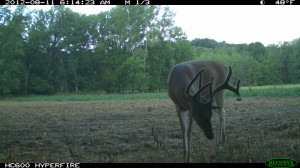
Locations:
{"points": [[187, 90], [225, 85], [195, 96]]}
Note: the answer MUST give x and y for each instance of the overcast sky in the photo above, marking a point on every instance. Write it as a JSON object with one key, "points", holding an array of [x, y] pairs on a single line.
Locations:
{"points": [[268, 24]]}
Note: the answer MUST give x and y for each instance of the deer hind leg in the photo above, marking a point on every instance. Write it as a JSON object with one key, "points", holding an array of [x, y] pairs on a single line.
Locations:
{"points": [[222, 125], [220, 102], [186, 126]]}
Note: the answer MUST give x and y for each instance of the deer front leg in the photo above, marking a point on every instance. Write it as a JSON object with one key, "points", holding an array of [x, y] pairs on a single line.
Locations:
{"points": [[186, 126], [222, 125]]}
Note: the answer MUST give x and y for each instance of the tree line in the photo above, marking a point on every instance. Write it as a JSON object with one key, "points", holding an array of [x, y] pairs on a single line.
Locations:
{"points": [[255, 64], [129, 48]]}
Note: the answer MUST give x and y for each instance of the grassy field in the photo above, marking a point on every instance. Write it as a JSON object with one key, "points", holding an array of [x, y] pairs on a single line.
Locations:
{"points": [[144, 127], [270, 91], [91, 97], [253, 91], [147, 130]]}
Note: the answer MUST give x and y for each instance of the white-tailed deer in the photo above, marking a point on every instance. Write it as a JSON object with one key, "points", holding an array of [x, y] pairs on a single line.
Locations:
{"points": [[195, 98]]}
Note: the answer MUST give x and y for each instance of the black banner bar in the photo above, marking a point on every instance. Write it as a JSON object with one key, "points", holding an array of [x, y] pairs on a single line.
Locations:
{"points": [[131, 165], [149, 2]]}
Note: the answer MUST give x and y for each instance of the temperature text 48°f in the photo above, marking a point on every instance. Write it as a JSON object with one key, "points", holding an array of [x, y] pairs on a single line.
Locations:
{"points": [[284, 2]]}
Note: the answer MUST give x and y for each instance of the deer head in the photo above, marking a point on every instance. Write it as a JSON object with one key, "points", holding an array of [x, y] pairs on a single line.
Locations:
{"points": [[202, 105]]}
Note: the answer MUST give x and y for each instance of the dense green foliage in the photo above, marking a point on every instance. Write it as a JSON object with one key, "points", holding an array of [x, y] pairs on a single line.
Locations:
{"points": [[129, 48], [255, 64]]}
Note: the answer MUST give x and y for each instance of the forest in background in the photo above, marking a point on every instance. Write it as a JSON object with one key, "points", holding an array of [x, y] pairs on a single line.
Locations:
{"points": [[129, 48]]}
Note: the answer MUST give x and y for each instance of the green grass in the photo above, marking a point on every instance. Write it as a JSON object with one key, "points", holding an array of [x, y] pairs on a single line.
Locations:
{"points": [[253, 91], [269, 91], [90, 97]]}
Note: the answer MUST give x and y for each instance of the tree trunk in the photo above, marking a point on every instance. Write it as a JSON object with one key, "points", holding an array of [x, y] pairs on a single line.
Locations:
{"points": [[26, 79]]}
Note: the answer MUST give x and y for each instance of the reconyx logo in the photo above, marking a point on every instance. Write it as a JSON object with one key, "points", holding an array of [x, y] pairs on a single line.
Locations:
{"points": [[281, 162]]}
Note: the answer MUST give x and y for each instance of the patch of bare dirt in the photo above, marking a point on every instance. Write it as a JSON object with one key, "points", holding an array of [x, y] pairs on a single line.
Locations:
{"points": [[145, 131]]}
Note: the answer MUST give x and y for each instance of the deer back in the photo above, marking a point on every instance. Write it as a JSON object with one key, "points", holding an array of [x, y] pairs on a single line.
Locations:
{"points": [[181, 75]]}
